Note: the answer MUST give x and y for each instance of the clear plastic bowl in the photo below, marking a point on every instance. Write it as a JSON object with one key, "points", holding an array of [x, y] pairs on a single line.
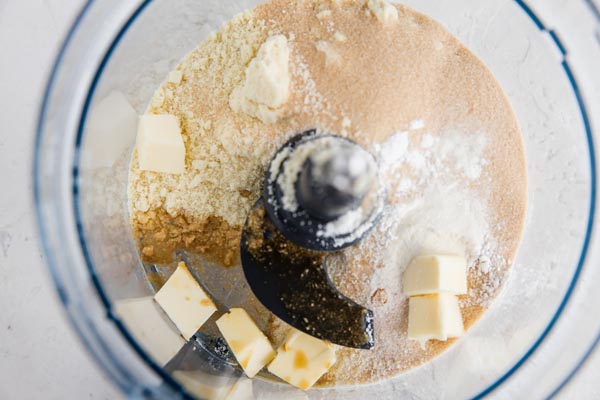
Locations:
{"points": [[546, 55]]}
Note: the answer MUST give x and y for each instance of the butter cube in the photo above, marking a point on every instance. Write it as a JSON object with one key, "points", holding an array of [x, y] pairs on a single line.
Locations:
{"points": [[185, 302], [434, 317], [249, 345], [160, 145], [435, 274], [302, 360], [150, 327]]}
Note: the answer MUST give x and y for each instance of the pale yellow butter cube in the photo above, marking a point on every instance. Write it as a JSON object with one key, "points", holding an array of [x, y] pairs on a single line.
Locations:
{"points": [[302, 360], [249, 345], [185, 302], [160, 145], [435, 274], [434, 317], [150, 327]]}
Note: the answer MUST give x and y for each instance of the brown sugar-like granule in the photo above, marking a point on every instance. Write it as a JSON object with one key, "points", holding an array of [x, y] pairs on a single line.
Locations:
{"points": [[159, 235]]}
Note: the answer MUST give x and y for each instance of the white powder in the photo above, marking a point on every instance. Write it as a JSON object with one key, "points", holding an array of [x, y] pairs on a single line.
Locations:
{"points": [[394, 149], [436, 213], [290, 170], [405, 186], [427, 141], [454, 152], [416, 160], [417, 124], [465, 151], [343, 225], [445, 219]]}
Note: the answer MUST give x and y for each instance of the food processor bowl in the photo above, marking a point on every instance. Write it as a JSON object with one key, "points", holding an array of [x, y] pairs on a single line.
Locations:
{"points": [[535, 335]]}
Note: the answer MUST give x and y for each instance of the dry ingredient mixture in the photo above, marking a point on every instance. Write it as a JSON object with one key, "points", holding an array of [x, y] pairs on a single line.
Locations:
{"points": [[394, 81]]}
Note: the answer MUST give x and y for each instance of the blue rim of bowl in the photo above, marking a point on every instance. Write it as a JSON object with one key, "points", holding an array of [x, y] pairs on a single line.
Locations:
{"points": [[98, 286]]}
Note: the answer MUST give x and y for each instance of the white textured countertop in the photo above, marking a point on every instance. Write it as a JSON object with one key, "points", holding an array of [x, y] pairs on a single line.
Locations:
{"points": [[40, 357]]}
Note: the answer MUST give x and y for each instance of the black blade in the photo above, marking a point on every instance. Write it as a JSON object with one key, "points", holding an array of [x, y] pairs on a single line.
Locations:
{"points": [[292, 282]]}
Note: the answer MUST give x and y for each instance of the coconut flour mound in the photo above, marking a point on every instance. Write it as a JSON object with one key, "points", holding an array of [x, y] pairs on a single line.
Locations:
{"points": [[394, 81]]}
